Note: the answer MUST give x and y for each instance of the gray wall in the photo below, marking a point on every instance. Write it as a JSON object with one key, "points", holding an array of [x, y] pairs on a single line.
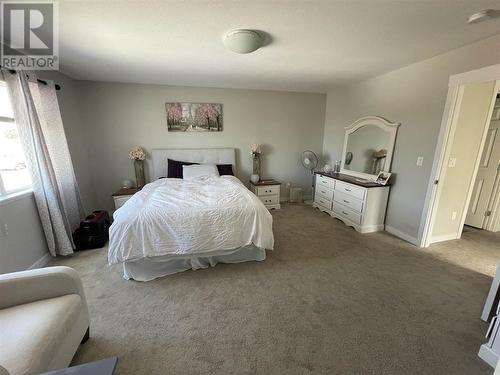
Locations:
{"points": [[117, 116], [22, 242], [415, 96]]}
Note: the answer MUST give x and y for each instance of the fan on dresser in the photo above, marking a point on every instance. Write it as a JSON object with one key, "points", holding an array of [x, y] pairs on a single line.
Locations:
{"points": [[310, 161]]}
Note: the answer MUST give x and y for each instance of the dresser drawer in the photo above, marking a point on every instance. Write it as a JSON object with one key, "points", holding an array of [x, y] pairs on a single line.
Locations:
{"points": [[349, 201], [324, 192], [268, 190], [323, 181], [325, 203], [270, 199], [353, 190], [346, 212]]}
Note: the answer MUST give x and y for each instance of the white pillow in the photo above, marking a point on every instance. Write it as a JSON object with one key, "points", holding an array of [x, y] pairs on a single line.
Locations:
{"points": [[199, 170]]}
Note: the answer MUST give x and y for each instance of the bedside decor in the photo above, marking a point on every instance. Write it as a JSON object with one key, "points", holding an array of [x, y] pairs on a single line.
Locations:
{"points": [[138, 155], [194, 117], [127, 184], [256, 151]]}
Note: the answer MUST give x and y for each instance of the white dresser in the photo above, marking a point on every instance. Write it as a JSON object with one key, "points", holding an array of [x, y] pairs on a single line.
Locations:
{"points": [[359, 205]]}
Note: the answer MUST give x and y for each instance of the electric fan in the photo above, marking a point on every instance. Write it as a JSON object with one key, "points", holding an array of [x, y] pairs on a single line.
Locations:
{"points": [[310, 161]]}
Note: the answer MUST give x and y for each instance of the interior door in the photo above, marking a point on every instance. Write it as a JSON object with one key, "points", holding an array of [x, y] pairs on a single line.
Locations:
{"points": [[486, 175]]}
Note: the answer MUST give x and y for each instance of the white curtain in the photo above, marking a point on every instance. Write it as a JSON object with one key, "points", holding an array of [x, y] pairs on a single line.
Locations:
{"points": [[38, 118]]}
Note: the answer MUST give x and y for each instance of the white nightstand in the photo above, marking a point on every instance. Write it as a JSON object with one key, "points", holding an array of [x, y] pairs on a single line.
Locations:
{"points": [[269, 193], [123, 195]]}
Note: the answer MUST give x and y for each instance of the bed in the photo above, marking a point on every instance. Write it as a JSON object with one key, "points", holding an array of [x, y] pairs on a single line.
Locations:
{"points": [[173, 225]]}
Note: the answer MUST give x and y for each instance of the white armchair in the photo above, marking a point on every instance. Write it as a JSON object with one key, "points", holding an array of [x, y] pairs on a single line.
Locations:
{"points": [[43, 319]]}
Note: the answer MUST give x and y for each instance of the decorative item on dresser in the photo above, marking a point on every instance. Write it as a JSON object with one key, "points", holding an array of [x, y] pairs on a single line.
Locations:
{"points": [[123, 195], [138, 155], [358, 195], [268, 191]]}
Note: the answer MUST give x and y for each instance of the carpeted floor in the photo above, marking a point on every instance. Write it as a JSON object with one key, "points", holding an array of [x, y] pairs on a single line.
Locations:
{"points": [[327, 301]]}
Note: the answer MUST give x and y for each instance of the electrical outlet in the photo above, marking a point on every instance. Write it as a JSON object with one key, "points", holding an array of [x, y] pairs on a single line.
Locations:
{"points": [[454, 215], [452, 163], [420, 161]]}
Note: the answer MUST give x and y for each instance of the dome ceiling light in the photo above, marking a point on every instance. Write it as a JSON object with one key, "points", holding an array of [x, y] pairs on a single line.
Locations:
{"points": [[484, 15], [242, 40]]}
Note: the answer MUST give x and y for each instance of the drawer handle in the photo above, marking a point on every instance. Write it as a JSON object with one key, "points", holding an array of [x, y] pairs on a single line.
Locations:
{"points": [[346, 189], [345, 213], [323, 191], [346, 201]]}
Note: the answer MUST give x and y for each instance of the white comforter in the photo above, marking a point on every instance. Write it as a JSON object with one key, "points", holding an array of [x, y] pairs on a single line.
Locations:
{"points": [[174, 216]]}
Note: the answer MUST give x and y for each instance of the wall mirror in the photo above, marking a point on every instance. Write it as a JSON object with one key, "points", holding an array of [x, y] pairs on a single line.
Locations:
{"points": [[368, 147]]}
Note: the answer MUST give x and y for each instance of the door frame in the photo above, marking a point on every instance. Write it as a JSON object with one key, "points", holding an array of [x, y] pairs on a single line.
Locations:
{"points": [[446, 132]]}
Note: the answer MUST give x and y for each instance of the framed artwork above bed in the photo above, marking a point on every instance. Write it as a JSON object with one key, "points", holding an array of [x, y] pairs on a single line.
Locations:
{"points": [[194, 117]]}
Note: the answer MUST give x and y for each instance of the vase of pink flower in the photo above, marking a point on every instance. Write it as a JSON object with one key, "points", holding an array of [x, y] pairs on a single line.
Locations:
{"points": [[138, 155]]}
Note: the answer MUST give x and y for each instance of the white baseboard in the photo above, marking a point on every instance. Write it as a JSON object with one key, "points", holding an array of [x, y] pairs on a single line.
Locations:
{"points": [[42, 262], [488, 355], [443, 237], [403, 236]]}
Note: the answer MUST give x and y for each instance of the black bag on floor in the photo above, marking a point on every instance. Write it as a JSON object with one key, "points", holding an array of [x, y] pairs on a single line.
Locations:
{"points": [[93, 231]]}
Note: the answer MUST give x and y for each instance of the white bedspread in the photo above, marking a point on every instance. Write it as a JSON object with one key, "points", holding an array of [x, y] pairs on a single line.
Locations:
{"points": [[174, 216]]}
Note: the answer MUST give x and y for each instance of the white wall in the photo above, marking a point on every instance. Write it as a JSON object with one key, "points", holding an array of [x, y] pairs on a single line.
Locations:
{"points": [[22, 242], [415, 96], [118, 116]]}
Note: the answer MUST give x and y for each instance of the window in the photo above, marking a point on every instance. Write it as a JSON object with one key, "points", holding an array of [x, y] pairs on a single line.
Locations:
{"points": [[14, 176]]}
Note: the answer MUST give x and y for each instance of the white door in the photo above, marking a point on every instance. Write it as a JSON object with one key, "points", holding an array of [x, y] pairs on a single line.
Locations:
{"points": [[486, 175]]}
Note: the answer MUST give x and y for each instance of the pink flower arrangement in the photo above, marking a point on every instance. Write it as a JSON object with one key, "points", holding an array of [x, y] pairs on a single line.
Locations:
{"points": [[137, 153]]}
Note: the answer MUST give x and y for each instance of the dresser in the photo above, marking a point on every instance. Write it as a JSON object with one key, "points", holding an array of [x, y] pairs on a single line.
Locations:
{"points": [[123, 195], [268, 192], [358, 204]]}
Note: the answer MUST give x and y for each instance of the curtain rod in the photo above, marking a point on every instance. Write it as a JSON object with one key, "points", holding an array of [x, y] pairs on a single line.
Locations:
{"points": [[57, 87]]}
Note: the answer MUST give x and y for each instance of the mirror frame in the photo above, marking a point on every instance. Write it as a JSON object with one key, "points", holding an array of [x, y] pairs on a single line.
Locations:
{"points": [[382, 123]]}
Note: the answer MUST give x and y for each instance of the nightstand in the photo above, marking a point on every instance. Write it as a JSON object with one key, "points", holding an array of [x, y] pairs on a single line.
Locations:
{"points": [[268, 191], [123, 195]]}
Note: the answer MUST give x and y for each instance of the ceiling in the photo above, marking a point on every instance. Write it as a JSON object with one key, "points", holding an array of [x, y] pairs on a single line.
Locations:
{"points": [[313, 45]]}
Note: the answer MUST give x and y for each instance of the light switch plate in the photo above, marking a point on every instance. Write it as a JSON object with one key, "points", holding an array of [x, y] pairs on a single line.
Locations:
{"points": [[452, 163], [420, 161]]}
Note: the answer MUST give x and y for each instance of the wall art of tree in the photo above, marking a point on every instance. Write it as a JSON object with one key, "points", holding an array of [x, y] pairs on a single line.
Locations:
{"points": [[194, 117]]}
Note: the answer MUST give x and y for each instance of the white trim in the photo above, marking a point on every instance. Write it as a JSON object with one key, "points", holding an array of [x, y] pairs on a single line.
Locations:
{"points": [[491, 73], [402, 235], [42, 262], [7, 199], [488, 355], [445, 237], [382, 123]]}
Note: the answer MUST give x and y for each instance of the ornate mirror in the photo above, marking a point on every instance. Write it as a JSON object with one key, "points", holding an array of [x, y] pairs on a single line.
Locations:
{"points": [[368, 147]]}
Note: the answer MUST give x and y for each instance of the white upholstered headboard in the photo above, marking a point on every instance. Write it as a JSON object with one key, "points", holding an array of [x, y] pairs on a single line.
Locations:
{"points": [[193, 155]]}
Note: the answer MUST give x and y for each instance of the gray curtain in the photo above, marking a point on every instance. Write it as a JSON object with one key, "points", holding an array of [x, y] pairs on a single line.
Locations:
{"points": [[40, 126]]}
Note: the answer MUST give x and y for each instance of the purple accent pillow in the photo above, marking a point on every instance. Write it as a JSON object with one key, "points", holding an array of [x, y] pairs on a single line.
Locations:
{"points": [[225, 169], [174, 169]]}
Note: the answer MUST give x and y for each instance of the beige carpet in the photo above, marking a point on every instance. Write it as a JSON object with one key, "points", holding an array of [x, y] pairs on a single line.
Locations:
{"points": [[327, 301]]}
